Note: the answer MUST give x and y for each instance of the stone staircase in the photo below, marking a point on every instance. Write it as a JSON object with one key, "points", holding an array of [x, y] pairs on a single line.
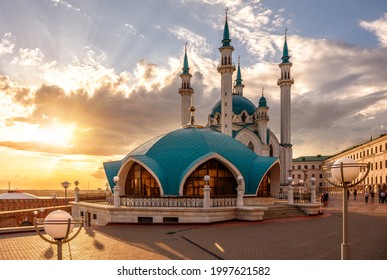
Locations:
{"points": [[279, 210]]}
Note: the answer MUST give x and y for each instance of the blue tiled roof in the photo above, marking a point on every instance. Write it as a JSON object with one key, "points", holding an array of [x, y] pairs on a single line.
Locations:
{"points": [[239, 103], [172, 155]]}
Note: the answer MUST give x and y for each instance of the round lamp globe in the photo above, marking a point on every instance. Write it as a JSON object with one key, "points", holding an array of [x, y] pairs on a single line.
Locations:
{"points": [[350, 170], [56, 223]]}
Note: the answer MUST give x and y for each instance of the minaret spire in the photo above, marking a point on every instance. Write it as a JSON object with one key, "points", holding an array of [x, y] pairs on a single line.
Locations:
{"points": [[238, 86], [185, 90], [285, 83], [226, 69], [285, 53], [226, 33]]}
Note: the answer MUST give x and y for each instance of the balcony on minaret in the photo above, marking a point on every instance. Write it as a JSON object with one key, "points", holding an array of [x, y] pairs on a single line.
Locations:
{"points": [[285, 80]]}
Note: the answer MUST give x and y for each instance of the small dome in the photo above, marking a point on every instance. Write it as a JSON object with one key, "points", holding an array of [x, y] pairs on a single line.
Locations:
{"points": [[262, 102], [239, 104], [18, 195]]}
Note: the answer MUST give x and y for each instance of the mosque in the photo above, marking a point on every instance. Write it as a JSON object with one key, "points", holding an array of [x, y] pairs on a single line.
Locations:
{"points": [[235, 150], [236, 142]]}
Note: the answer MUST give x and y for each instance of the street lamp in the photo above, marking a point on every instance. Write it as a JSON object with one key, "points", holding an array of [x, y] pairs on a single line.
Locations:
{"points": [[58, 224], [53, 196], [345, 171], [65, 185]]}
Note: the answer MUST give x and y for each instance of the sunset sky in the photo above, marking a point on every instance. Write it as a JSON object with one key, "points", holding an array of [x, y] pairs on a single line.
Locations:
{"points": [[84, 82]]}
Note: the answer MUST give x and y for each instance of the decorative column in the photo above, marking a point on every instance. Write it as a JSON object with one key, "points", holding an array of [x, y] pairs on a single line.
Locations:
{"points": [[240, 192], [206, 193], [116, 192], [290, 191], [76, 191], [313, 190]]}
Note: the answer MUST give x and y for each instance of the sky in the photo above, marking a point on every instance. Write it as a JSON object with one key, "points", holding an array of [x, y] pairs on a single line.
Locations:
{"points": [[85, 82]]}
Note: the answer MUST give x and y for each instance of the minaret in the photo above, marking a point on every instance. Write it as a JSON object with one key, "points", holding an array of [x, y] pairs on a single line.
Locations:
{"points": [[285, 84], [238, 86], [185, 91], [262, 119], [226, 69]]}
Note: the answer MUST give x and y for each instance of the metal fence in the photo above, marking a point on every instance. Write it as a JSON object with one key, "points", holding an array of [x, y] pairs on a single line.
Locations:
{"points": [[176, 201]]}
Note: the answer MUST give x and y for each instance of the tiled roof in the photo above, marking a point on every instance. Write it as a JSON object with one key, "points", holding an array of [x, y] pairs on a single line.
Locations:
{"points": [[239, 103], [310, 158], [172, 155]]}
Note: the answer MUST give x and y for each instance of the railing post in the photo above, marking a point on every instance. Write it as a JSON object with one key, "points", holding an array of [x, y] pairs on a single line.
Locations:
{"points": [[117, 189]]}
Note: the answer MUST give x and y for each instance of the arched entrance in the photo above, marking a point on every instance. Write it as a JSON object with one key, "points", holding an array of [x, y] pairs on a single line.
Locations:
{"points": [[222, 181], [140, 182]]}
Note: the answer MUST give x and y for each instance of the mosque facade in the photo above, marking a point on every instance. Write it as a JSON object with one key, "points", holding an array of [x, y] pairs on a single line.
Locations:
{"points": [[235, 143]]}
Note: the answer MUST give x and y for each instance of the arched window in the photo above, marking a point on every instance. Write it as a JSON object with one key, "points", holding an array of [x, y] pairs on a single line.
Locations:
{"points": [[222, 181], [243, 117], [141, 183]]}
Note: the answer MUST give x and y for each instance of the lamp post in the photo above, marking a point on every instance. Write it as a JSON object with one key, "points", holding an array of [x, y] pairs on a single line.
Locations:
{"points": [[345, 171], [76, 191], [206, 192], [53, 196], [116, 192], [58, 224], [313, 190], [290, 190], [240, 191], [65, 185]]}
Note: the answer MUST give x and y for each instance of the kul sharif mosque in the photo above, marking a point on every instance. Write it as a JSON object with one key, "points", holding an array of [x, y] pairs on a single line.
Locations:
{"points": [[235, 144]]}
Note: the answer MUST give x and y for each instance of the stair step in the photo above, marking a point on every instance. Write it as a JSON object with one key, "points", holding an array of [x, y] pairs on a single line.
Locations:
{"points": [[283, 211]]}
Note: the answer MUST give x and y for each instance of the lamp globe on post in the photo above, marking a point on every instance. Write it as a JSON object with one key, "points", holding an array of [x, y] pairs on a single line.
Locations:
{"points": [[116, 190], [290, 191], [240, 191], [65, 185], [345, 171], [58, 225], [76, 191]]}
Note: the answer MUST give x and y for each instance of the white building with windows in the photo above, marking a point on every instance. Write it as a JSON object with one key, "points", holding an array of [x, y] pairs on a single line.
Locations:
{"points": [[374, 152]]}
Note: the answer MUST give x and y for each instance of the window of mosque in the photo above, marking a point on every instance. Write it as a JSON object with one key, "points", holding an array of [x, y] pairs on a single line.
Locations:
{"points": [[243, 117], [141, 183], [222, 181]]}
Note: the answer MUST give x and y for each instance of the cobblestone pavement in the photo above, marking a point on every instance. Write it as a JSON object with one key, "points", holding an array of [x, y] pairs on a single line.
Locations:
{"points": [[307, 238]]}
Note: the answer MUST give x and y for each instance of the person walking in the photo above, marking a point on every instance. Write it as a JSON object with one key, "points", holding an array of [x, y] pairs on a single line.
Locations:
{"points": [[354, 194], [366, 196], [372, 196]]}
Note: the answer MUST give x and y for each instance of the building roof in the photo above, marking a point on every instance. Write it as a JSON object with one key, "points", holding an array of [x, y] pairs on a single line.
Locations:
{"points": [[173, 155], [310, 158], [239, 104], [18, 195]]}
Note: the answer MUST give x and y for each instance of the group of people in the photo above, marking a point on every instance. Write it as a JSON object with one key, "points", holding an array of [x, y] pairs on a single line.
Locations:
{"points": [[382, 195]]}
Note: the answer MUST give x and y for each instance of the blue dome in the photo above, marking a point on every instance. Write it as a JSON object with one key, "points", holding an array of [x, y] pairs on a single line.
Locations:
{"points": [[239, 103], [262, 102], [173, 155]]}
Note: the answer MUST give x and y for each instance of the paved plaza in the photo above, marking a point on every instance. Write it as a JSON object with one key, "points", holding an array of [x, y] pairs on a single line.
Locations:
{"points": [[306, 238]]}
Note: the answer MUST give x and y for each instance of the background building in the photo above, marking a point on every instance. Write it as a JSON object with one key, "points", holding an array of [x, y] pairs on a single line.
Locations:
{"points": [[374, 152], [306, 167]]}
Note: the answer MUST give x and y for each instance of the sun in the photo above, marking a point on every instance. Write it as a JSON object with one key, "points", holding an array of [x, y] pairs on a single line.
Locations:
{"points": [[55, 134]]}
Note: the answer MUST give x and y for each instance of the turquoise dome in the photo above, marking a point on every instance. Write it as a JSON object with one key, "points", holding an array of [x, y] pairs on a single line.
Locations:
{"points": [[262, 102], [173, 155], [239, 103]]}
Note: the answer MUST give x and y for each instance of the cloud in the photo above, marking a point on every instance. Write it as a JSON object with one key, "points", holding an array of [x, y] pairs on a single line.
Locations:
{"points": [[62, 3], [6, 44], [378, 27], [28, 57]]}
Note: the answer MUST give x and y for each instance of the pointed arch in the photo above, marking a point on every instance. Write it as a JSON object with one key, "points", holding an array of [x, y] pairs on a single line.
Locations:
{"points": [[195, 165]]}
